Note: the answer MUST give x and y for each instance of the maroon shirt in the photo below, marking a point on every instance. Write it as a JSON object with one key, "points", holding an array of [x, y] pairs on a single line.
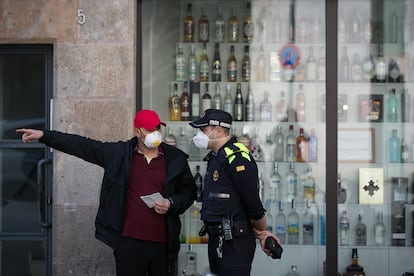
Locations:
{"points": [[145, 178]]}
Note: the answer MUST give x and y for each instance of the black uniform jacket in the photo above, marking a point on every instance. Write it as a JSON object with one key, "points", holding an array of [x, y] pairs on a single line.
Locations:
{"points": [[115, 158]]}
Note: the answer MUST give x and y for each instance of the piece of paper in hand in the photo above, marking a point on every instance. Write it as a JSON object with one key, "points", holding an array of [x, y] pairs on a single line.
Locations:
{"points": [[150, 199]]}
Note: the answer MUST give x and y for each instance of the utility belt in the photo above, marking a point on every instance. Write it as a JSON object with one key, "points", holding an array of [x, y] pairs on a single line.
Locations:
{"points": [[227, 228]]}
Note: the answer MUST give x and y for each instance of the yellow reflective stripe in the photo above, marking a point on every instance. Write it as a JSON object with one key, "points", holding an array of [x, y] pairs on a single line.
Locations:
{"points": [[242, 149]]}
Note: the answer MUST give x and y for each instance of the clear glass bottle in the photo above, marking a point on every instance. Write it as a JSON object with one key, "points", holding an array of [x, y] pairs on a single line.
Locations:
{"points": [[248, 29], [379, 231], [368, 69], [275, 185], [174, 104], [228, 101], [217, 100], [360, 232], [356, 68], [198, 179], [204, 65], [269, 218], [249, 106], [238, 104], [246, 65], [341, 190], [312, 146], [344, 229], [291, 183], [405, 106], [180, 64], [195, 99], [190, 262], [405, 151], [203, 27], [282, 108], [265, 108], [219, 27], [195, 224], [293, 225], [192, 67], [311, 70], [261, 188], [279, 145], [380, 66], [260, 66], [301, 147], [290, 146], [355, 32], [189, 25], [185, 103], [322, 65], [206, 100], [394, 73], [308, 224], [309, 187], [234, 27], [300, 111], [344, 66], [170, 138], [216, 65], [280, 224], [394, 147], [232, 66], [183, 141], [392, 108]]}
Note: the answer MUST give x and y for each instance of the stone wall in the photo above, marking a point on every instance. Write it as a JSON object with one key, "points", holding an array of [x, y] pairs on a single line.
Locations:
{"points": [[94, 95]]}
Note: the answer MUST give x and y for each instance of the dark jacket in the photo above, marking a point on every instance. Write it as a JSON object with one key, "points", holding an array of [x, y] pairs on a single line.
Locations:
{"points": [[115, 158]]}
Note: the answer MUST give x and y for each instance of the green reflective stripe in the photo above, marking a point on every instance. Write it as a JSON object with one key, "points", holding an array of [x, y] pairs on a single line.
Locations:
{"points": [[240, 148]]}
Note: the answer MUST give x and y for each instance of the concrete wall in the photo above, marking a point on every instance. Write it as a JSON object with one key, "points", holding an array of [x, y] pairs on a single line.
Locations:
{"points": [[94, 95]]}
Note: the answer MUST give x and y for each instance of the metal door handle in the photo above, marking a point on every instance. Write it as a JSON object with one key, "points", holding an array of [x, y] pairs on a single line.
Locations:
{"points": [[47, 200]]}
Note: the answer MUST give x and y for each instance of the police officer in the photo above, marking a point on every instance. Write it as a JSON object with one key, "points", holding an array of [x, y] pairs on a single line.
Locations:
{"points": [[232, 212]]}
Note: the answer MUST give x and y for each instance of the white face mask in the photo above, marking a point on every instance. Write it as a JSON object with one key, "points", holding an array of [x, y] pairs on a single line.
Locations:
{"points": [[153, 139], [201, 139]]}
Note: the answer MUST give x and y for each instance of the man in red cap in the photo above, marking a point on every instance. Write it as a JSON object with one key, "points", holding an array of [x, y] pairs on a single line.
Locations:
{"points": [[145, 238]]}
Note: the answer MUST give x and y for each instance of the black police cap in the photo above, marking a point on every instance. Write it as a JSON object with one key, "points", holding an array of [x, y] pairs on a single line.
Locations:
{"points": [[213, 117]]}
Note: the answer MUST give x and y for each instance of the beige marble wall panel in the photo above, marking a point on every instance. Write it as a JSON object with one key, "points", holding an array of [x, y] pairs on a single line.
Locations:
{"points": [[38, 21]]}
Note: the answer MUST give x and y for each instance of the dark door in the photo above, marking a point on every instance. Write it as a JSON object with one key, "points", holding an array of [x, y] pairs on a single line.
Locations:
{"points": [[25, 169]]}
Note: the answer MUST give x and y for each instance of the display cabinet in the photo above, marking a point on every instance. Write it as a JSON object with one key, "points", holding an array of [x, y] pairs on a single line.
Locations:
{"points": [[283, 85]]}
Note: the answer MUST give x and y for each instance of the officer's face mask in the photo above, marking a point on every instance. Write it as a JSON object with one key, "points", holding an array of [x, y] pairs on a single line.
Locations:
{"points": [[201, 139], [153, 139]]}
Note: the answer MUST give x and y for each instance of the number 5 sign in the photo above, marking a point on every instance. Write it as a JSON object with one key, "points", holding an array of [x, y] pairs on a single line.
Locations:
{"points": [[81, 17]]}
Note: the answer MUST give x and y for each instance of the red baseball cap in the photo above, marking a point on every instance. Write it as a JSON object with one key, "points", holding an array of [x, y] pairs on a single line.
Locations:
{"points": [[147, 119]]}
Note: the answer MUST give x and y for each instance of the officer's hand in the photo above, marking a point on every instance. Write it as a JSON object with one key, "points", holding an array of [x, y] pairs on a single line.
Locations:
{"points": [[261, 236], [28, 135], [161, 207]]}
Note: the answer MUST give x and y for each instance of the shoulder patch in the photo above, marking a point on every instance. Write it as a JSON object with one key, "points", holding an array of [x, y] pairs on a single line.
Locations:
{"points": [[240, 168]]}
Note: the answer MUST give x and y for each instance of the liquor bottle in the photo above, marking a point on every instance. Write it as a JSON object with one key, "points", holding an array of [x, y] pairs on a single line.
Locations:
{"points": [[190, 262], [404, 151], [354, 269], [312, 146], [194, 224], [268, 148], [301, 147], [405, 106], [269, 218], [195, 99], [293, 225], [394, 147], [238, 104], [380, 66], [344, 229], [291, 24], [275, 185], [256, 146], [219, 27], [192, 64], [204, 65], [203, 27], [232, 66], [260, 66], [248, 25], [341, 190], [356, 68], [290, 146], [394, 73], [368, 69], [245, 140], [185, 103], [274, 67], [265, 108], [180, 64], [300, 111], [309, 186], [234, 26], [262, 24], [174, 105], [311, 70], [322, 65], [183, 141], [291, 183], [170, 138], [342, 29], [302, 30], [355, 33], [228, 101], [275, 27], [198, 179], [367, 31], [400, 190], [261, 188], [344, 66], [246, 65], [249, 106], [280, 224], [216, 65], [293, 271], [379, 231], [360, 232], [206, 100], [392, 108], [282, 108], [308, 225], [189, 25], [279, 145], [194, 151], [217, 100], [299, 72]]}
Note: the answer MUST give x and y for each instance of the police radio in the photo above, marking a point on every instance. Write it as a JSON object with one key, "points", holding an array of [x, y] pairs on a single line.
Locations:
{"points": [[226, 228]]}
